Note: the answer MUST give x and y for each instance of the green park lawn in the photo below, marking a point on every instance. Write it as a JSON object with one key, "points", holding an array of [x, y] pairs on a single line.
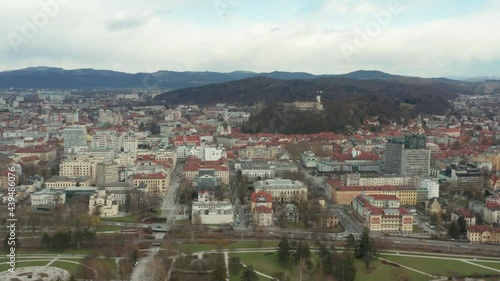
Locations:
{"points": [[268, 264], [437, 267], [380, 271], [104, 228], [492, 264], [294, 225], [24, 251], [193, 248], [130, 218]]}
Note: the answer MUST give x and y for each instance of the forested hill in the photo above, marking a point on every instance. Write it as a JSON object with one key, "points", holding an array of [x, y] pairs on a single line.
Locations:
{"points": [[425, 95], [342, 115]]}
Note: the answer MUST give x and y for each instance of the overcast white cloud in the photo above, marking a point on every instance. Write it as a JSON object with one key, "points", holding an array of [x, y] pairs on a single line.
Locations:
{"points": [[129, 19], [422, 38]]}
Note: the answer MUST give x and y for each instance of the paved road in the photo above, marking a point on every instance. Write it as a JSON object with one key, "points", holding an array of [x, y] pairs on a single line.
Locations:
{"points": [[142, 265], [350, 223], [169, 206], [169, 210]]}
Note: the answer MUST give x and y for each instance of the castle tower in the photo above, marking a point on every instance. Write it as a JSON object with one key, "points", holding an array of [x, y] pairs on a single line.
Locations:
{"points": [[319, 104]]}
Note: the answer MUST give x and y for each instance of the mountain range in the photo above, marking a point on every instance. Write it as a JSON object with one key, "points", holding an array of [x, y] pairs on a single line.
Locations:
{"points": [[58, 78]]}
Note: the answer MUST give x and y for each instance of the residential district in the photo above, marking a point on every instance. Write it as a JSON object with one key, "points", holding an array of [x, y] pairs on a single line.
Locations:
{"points": [[115, 175]]}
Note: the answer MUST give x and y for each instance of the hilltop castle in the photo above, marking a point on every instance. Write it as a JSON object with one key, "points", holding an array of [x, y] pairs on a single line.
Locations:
{"points": [[308, 105]]}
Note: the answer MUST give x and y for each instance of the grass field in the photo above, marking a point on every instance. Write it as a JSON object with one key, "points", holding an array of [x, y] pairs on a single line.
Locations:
{"points": [[59, 252], [380, 271], [22, 263], [495, 265], [294, 225], [103, 228], [193, 248], [438, 267], [268, 264], [70, 267], [130, 218]]}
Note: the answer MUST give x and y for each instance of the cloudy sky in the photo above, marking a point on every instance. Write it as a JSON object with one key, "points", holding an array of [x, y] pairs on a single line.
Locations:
{"points": [[426, 38]]}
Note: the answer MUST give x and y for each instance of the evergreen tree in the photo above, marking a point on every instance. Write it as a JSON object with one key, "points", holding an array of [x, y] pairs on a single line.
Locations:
{"points": [[345, 268], [302, 251], [462, 224], [326, 259], [479, 219], [219, 272], [284, 250], [454, 230], [234, 265], [367, 249], [128, 202], [249, 274], [351, 242], [45, 241]]}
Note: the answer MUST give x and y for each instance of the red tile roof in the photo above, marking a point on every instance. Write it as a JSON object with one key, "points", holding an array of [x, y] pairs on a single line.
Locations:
{"points": [[30, 159], [263, 209], [255, 195], [482, 228]]}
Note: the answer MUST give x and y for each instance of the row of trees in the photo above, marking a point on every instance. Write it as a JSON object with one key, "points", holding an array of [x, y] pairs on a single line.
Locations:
{"points": [[72, 216], [62, 240], [138, 201], [332, 263]]}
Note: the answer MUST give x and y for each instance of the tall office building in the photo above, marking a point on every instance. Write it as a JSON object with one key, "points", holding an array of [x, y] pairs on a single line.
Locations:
{"points": [[106, 172], [407, 156], [107, 139], [74, 138]]}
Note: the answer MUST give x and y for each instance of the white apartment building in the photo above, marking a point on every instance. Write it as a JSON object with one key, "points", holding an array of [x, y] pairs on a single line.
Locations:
{"points": [[356, 179], [130, 143], [107, 139], [106, 172], [309, 159], [62, 182], [96, 155], [48, 196], [126, 159], [74, 169], [254, 172], [282, 190], [213, 153], [429, 184], [213, 212], [75, 139], [491, 212], [182, 152]]}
